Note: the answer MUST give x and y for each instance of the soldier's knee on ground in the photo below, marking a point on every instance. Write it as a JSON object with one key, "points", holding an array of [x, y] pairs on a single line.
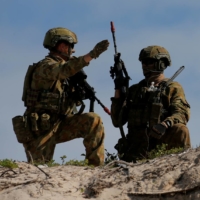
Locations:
{"points": [[95, 122], [94, 140], [177, 136]]}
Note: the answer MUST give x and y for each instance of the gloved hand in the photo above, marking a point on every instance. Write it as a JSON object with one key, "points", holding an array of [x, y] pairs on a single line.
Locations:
{"points": [[158, 131], [119, 82], [99, 48]]}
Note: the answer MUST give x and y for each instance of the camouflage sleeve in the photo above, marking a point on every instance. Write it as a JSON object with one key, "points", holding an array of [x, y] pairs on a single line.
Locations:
{"points": [[54, 70], [116, 106], [71, 67], [179, 107]]}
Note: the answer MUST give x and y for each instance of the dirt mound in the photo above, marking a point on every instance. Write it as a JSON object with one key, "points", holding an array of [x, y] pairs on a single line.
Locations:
{"points": [[169, 177]]}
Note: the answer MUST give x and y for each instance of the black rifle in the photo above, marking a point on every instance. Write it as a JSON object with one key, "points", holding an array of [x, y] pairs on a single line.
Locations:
{"points": [[120, 74], [119, 70], [83, 91]]}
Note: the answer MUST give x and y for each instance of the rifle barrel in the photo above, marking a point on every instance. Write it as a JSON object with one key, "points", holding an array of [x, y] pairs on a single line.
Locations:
{"points": [[113, 35], [112, 27], [105, 108]]}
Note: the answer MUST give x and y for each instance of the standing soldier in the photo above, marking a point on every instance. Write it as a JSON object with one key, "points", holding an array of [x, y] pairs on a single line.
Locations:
{"points": [[156, 109], [48, 95]]}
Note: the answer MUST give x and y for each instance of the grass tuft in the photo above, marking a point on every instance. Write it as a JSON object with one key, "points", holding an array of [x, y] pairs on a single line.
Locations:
{"points": [[8, 163], [162, 150]]}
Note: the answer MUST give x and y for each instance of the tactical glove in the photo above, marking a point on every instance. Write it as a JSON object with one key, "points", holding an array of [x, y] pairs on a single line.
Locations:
{"points": [[158, 131], [120, 82], [99, 48]]}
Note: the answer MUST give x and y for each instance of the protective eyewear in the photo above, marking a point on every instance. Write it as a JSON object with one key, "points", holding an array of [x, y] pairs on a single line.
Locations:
{"points": [[148, 61]]}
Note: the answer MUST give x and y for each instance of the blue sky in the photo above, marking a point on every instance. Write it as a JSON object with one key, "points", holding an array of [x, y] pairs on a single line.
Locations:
{"points": [[23, 24]]}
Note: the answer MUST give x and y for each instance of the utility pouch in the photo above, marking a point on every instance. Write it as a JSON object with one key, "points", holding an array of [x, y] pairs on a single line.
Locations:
{"points": [[34, 119], [45, 122], [21, 129], [156, 109]]}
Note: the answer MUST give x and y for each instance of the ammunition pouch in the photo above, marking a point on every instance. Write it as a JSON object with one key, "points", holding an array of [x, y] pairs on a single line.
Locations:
{"points": [[156, 111], [45, 122], [39, 123], [34, 122], [22, 130], [28, 127]]}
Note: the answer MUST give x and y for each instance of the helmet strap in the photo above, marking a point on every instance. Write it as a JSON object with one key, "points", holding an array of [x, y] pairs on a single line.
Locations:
{"points": [[64, 54]]}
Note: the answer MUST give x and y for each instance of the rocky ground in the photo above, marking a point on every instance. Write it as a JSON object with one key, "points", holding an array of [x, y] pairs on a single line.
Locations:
{"points": [[167, 178]]}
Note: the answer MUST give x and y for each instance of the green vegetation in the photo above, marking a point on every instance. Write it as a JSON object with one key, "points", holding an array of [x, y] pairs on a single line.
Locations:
{"points": [[110, 157], [8, 163], [75, 162], [162, 150], [82, 190], [63, 159], [78, 163], [51, 163]]}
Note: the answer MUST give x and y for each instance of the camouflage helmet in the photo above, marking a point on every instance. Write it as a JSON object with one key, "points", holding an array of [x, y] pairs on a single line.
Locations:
{"points": [[155, 52], [57, 34]]}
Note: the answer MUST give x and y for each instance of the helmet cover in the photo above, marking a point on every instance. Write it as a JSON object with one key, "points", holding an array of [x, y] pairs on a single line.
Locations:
{"points": [[55, 35], [155, 52]]}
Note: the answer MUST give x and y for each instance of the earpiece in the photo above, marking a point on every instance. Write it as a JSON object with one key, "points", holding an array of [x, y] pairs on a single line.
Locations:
{"points": [[160, 65]]}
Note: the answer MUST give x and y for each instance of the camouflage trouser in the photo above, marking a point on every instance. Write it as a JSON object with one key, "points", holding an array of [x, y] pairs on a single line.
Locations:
{"points": [[176, 136], [138, 142], [88, 126]]}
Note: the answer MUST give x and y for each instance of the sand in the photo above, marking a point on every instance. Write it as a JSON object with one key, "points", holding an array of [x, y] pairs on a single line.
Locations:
{"points": [[169, 177]]}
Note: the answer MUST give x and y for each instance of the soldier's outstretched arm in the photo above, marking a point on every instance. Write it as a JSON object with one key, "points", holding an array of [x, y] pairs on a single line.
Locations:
{"points": [[66, 69], [93, 54]]}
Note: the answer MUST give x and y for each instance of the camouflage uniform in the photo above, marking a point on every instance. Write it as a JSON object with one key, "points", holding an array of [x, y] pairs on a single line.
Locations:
{"points": [[52, 91], [138, 112], [49, 74]]}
